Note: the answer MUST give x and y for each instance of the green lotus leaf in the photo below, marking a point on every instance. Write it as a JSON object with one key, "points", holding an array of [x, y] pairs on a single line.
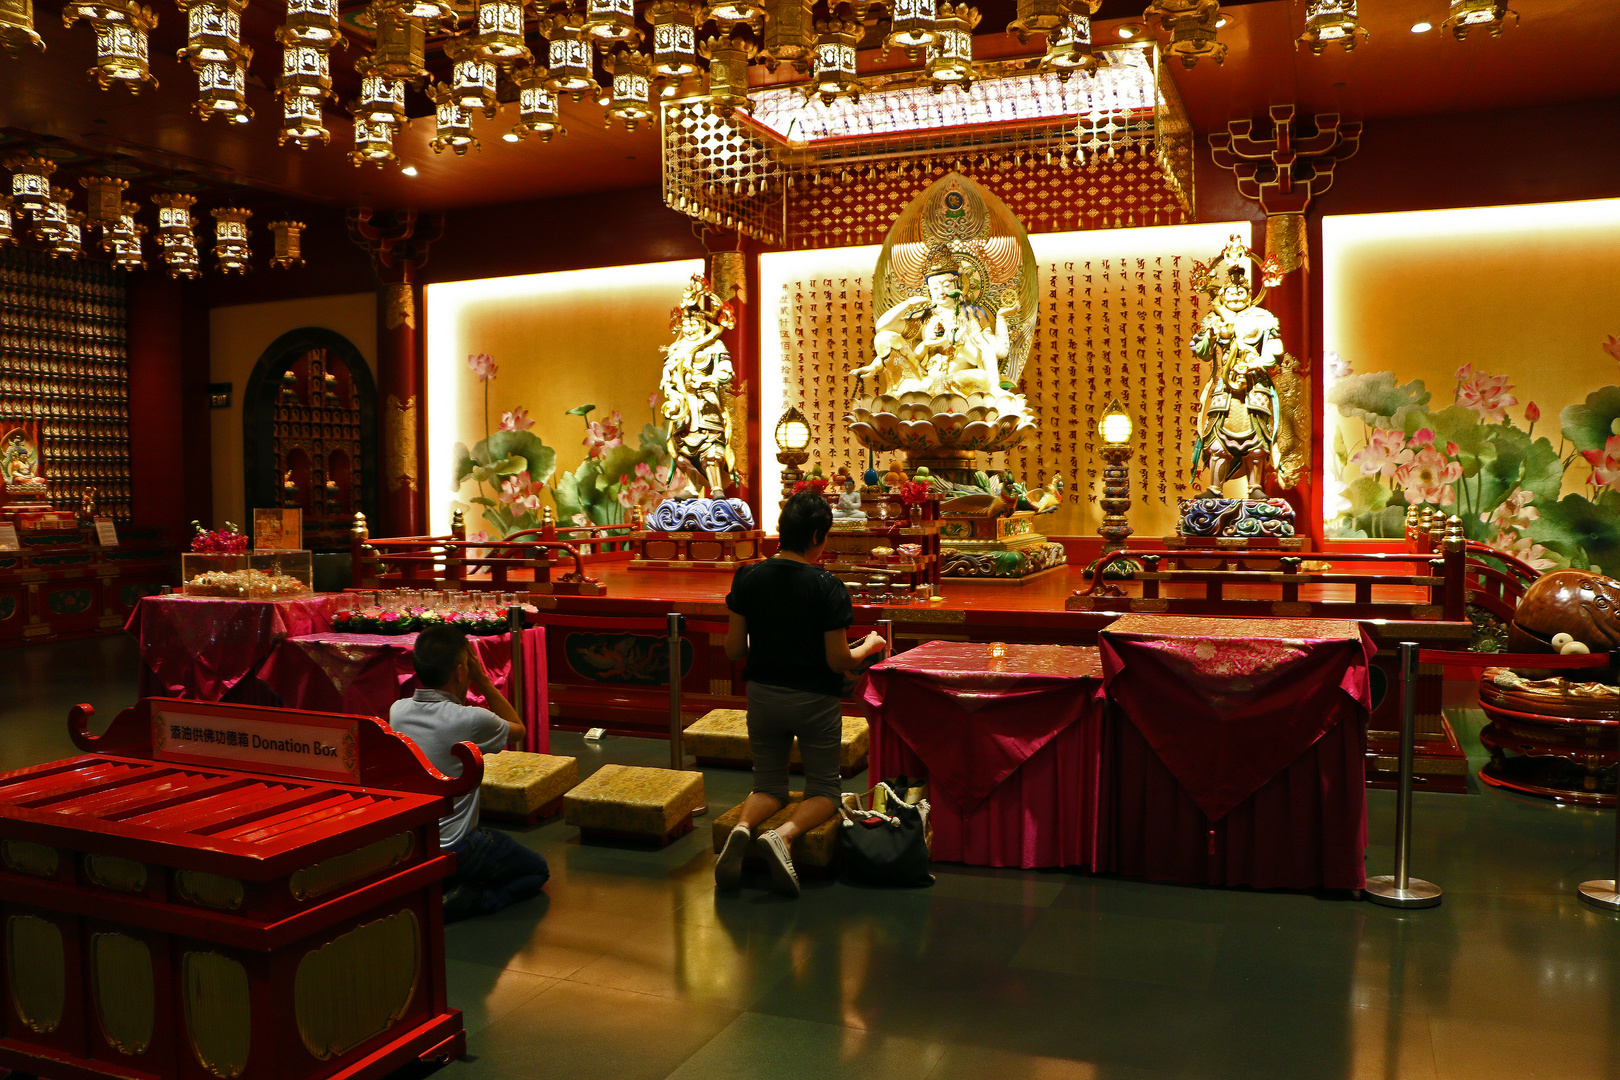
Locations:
{"points": [[654, 439], [1576, 524], [1589, 424], [1367, 495], [580, 410], [463, 464], [541, 459], [1375, 397]]}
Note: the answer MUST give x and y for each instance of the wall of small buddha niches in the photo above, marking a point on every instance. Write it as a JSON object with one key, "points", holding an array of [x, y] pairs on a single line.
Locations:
{"points": [[318, 446], [64, 361]]}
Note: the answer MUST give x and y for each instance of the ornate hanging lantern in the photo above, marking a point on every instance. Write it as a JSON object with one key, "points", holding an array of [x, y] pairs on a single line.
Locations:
{"points": [[571, 69], [454, 122], [832, 74], [440, 13], [950, 57], [500, 32], [182, 259], [1037, 18], [51, 217], [912, 27], [174, 222], [1488, 15], [30, 181], [734, 11], [17, 26], [122, 29], [1329, 21], [302, 122], [537, 106], [1192, 26], [473, 80], [313, 22], [382, 98], [611, 22], [373, 142], [222, 90], [67, 241], [213, 31], [231, 251], [400, 51], [124, 240], [8, 222], [728, 56], [674, 38], [632, 90], [105, 198], [306, 71], [1068, 48], [289, 236]]}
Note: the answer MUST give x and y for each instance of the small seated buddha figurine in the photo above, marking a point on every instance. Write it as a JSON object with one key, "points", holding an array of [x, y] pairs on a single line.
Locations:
{"points": [[848, 507]]}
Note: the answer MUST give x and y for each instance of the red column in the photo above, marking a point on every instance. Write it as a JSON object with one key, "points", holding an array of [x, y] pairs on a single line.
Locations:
{"points": [[1289, 300], [170, 444], [401, 413]]}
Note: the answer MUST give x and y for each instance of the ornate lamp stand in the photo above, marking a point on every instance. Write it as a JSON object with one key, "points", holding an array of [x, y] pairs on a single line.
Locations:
{"points": [[1115, 429], [792, 448]]}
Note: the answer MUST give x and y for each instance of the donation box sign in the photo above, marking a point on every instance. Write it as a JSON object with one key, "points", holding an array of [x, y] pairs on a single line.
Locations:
{"points": [[303, 745]]}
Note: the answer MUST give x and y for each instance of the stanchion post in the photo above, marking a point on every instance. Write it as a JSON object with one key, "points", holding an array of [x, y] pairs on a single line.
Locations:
{"points": [[885, 627], [677, 753], [1605, 893], [1401, 889], [515, 625]]}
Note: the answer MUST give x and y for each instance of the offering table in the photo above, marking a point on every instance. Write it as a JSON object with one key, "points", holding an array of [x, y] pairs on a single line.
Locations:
{"points": [[210, 648], [227, 892]]}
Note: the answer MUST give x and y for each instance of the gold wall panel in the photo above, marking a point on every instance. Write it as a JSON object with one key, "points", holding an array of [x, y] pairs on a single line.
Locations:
{"points": [[357, 985], [219, 1013], [340, 870], [30, 858], [122, 979], [209, 890], [110, 872], [36, 971]]}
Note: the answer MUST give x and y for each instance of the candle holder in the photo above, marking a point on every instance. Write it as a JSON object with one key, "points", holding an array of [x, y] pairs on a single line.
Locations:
{"points": [[792, 448], [1115, 430]]}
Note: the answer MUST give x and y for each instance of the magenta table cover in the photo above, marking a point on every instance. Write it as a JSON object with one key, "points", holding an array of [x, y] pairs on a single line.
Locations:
{"points": [[1009, 746], [201, 647], [367, 673], [1234, 751]]}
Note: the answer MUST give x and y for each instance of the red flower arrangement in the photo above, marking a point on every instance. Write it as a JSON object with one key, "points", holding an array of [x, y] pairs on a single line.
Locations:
{"points": [[817, 486], [226, 541], [913, 492]]}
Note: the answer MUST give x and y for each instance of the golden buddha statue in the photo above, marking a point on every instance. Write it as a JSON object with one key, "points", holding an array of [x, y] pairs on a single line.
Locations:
{"points": [[19, 460], [696, 385]]}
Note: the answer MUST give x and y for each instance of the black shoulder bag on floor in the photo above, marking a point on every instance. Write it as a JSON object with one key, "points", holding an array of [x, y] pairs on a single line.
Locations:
{"points": [[882, 838]]}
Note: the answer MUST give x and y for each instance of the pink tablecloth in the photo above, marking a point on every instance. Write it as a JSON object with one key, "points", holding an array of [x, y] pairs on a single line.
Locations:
{"points": [[367, 673], [1233, 751], [1009, 746], [203, 647]]}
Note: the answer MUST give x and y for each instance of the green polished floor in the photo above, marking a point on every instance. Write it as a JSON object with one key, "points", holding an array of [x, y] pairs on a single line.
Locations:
{"points": [[631, 968]]}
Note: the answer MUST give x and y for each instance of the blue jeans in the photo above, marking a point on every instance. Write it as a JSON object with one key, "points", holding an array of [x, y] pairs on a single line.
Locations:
{"points": [[493, 871]]}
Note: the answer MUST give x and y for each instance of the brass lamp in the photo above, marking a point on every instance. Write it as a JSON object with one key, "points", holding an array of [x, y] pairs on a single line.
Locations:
{"points": [[1488, 15], [792, 448], [1115, 429]]}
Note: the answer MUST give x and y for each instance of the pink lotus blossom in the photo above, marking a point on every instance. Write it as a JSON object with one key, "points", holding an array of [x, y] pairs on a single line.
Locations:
{"points": [[483, 366], [1465, 372], [1532, 412], [1428, 478], [582, 518], [479, 537], [1605, 464], [517, 420], [1423, 437], [1384, 453], [1452, 449], [1487, 395], [650, 486], [1612, 346], [652, 400], [521, 493], [1533, 554], [1515, 512], [603, 435], [1337, 368]]}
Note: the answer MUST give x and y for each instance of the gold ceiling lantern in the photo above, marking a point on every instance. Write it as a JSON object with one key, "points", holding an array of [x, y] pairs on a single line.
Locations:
{"points": [[123, 239], [572, 70], [610, 23], [912, 27], [67, 242], [104, 196], [1488, 15], [183, 261], [1192, 26], [8, 223], [232, 255], [1038, 18], [306, 71], [373, 142], [1069, 48], [51, 217], [632, 90], [213, 30], [735, 11], [382, 97], [441, 14], [122, 29], [302, 122], [473, 79], [950, 57], [289, 238], [537, 106], [674, 38], [17, 26], [400, 51], [832, 74], [174, 223], [222, 89], [500, 32], [1331, 21], [790, 34], [30, 181], [728, 56], [313, 22], [452, 122]]}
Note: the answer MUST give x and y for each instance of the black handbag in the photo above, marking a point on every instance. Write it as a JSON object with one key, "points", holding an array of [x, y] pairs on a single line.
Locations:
{"points": [[883, 838]]}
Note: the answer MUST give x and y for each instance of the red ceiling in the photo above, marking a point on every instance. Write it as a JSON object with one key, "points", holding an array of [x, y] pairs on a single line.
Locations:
{"points": [[1563, 51]]}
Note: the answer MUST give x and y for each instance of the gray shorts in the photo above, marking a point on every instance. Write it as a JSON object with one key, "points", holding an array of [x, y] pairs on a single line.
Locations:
{"points": [[775, 716]]}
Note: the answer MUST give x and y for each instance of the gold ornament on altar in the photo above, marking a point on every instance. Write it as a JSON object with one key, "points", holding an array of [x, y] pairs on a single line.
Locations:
{"points": [[1242, 426], [955, 285], [697, 386]]}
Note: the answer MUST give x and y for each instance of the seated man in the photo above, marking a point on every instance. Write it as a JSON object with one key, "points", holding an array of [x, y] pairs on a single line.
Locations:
{"points": [[493, 871]]}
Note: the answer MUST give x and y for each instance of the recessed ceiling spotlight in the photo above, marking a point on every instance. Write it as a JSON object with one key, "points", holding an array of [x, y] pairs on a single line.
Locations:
{"points": [[1221, 22], [409, 170], [1422, 27], [510, 136], [1130, 30]]}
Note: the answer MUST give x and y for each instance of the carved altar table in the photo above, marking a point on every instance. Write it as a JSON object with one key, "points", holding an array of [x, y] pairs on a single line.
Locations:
{"points": [[1009, 745], [365, 674], [204, 648], [1233, 751]]}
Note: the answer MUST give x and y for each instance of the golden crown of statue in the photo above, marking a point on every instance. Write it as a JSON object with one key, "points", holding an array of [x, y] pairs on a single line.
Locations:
{"points": [[700, 299], [1231, 267]]}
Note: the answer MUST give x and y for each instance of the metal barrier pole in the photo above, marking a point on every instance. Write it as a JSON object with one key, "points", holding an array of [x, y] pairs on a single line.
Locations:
{"points": [[885, 627], [515, 625], [677, 753], [1401, 889], [1605, 893]]}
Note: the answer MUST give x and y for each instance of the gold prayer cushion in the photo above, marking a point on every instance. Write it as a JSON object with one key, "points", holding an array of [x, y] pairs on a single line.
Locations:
{"points": [[519, 783], [635, 800], [818, 847], [722, 735]]}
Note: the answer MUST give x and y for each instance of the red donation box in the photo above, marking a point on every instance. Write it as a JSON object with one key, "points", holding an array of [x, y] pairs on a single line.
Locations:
{"points": [[222, 892]]}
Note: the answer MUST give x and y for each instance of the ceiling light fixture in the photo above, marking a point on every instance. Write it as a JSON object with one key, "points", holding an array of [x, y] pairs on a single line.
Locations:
{"points": [[728, 55], [1489, 15], [1422, 27], [674, 38], [1068, 48], [832, 72], [122, 29], [1191, 25], [452, 121], [232, 254], [790, 32], [17, 27], [1331, 21], [537, 106], [409, 170], [912, 27], [950, 57], [289, 237], [572, 70], [632, 90]]}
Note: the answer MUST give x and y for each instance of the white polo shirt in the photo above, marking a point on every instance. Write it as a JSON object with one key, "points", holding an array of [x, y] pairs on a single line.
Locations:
{"points": [[435, 722]]}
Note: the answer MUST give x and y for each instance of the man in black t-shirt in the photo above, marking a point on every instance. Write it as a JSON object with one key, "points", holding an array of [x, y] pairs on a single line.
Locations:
{"points": [[789, 618]]}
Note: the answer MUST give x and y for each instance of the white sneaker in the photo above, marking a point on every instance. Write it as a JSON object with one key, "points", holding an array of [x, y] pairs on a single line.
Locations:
{"points": [[728, 867], [780, 860]]}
